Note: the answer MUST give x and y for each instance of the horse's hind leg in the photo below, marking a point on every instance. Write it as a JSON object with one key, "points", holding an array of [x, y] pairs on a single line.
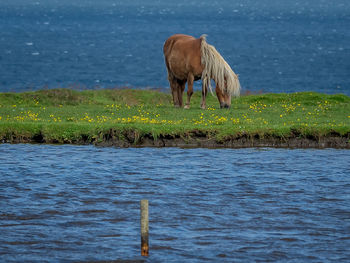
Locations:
{"points": [[190, 80], [177, 88], [174, 91], [173, 87], [180, 90]]}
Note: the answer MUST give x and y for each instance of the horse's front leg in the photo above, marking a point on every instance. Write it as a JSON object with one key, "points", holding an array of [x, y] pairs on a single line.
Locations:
{"points": [[190, 80], [220, 96], [204, 95]]}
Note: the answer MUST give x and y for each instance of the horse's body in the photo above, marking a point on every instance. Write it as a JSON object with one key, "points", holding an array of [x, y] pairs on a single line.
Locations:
{"points": [[189, 59]]}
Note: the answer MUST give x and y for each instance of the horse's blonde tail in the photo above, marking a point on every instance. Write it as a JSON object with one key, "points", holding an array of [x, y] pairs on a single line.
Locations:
{"points": [[216, 68]]}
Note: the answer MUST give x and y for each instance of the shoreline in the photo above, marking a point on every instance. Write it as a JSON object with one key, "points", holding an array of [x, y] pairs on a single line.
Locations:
{"points": [[197, 139]]}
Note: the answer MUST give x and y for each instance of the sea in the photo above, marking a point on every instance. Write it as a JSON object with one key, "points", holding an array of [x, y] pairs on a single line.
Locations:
{"points": [[275, 46]]}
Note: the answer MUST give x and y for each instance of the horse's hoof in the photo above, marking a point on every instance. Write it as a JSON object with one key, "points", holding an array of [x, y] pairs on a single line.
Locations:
{"points": [[187, 107]]}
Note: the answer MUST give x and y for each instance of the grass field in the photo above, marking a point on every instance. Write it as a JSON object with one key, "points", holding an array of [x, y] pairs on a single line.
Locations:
{"points": [[68, 116]]}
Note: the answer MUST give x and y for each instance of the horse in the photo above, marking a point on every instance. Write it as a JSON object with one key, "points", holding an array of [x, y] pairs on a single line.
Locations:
{"points": [[188, 59]]}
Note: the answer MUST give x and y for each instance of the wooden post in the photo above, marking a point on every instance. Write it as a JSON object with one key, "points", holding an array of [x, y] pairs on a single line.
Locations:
{"points": [[144, 228]]}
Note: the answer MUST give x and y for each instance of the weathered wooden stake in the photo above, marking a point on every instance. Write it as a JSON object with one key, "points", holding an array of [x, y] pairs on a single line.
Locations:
{"points": [[144, 228]]}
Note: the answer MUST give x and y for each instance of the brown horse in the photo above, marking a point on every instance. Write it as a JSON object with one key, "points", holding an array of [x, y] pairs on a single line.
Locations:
{"points": [[189, 59]]}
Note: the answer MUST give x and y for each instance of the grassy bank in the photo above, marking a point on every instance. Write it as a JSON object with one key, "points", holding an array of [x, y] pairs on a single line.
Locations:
{"points": [[132, 116]]}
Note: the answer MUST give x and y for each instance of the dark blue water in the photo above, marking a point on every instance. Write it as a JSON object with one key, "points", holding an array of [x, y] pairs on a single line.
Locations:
{"points": [[81, 203], [275, 46]]}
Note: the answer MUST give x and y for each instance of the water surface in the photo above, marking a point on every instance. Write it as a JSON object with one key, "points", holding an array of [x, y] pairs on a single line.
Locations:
{"points": [[81, 203], [274, 46]]}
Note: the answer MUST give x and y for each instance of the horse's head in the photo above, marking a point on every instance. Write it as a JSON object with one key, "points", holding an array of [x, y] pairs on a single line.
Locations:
{"points": [[224, 95]]}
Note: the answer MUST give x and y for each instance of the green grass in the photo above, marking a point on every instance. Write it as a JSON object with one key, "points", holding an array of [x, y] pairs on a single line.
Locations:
{"points": [[67, 116]]}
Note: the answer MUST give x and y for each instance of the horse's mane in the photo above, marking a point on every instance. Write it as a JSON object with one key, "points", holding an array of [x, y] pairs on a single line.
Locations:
{"points": [[216, 68]]}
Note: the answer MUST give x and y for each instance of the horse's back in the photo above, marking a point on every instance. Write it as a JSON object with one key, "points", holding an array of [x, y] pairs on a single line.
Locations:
{"points": [[180, 42], [174, 38], [182, 55]]}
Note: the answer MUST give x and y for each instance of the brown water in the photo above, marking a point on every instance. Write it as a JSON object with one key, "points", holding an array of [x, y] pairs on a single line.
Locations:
{"points": [[81, 203]]}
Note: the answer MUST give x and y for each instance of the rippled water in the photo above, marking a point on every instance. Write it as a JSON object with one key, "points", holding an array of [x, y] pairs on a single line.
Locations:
{"points": [[275, 46], [81, 203]]}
